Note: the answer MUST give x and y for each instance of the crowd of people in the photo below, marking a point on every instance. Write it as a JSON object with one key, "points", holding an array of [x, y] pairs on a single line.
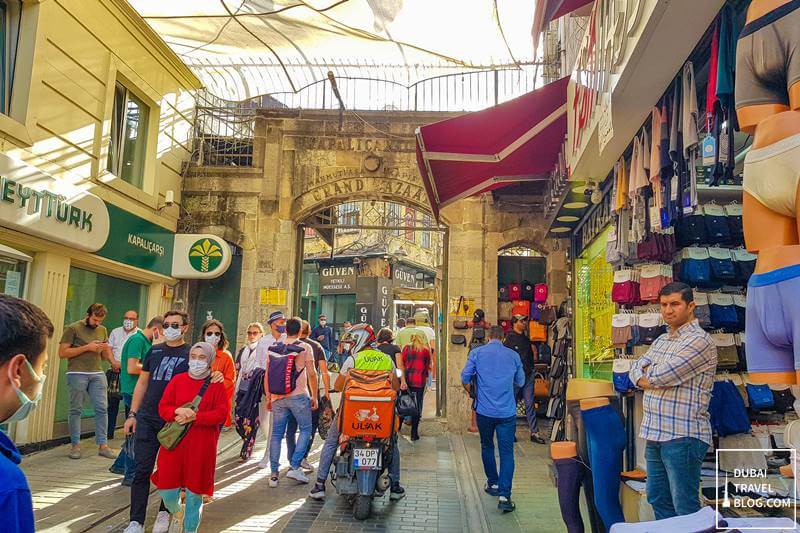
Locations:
{"points": [[178, 397]]}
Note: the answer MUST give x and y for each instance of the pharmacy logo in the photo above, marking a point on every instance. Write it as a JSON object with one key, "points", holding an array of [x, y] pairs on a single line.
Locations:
{"points": [[205, 255], [742, 489]]}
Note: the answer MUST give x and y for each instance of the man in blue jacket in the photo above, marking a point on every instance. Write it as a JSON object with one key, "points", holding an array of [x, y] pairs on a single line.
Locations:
{"points": [[497, 369], [323, 334], [23, 345]]}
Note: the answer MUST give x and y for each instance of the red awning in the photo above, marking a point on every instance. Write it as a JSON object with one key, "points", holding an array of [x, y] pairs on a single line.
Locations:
{"points": [[550, 10], [515, 141]]}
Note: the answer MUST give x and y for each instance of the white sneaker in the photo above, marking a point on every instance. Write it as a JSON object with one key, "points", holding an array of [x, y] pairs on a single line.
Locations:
{"points": [[297, 475], [134, 527], [162, 523], [264, 463], [306, 466], [273, 481]]}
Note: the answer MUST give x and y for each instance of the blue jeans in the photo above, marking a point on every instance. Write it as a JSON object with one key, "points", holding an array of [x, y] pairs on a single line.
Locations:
{"points": [[95, 387], [505, 429], [300, 408], [673, 476], [124, 461], [329, 451], [530, 407]]}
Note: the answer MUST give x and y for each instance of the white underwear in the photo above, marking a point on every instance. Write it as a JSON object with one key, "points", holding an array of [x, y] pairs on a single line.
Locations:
{"points": [[771, 175]]}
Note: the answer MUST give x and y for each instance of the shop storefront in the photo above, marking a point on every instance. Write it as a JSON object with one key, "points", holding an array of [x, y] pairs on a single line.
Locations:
{"points": [[64, 248]]}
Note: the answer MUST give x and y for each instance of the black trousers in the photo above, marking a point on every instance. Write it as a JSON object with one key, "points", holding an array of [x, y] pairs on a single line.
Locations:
{"points": [[419, 393], [113, 412], [145, 447]]}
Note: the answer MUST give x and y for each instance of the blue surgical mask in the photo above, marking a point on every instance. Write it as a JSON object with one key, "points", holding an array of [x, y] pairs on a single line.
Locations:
{"points": [[26, 404], [281, 329]]}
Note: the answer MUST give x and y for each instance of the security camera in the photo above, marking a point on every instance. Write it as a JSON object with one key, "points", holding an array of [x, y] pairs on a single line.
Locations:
{"points": [[169, 198]]}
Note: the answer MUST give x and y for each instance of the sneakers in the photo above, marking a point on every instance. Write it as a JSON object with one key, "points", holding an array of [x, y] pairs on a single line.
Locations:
{"points": [[397, 493], [273, 481], [75, 452], [306, 466], [106, 452], [134, 527], [297, 475], [162, 523], [263, 464], [505, 504], [536, 438], [491, 490], [318, 492]]}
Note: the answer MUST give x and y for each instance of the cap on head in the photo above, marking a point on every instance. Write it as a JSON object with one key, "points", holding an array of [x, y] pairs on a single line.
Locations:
{"points": [[276, 315], [517, 318]]}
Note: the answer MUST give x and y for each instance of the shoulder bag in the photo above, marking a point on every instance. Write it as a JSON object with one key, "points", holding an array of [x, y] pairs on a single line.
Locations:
{"points": [[172, 433]]}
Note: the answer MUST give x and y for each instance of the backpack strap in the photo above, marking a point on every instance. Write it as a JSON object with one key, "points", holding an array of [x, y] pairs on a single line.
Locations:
{"points": [[200, 393]]}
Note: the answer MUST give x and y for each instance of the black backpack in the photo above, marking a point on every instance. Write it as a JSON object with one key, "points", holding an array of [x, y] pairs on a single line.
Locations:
{"points": [[478, 337], [527, 290]]}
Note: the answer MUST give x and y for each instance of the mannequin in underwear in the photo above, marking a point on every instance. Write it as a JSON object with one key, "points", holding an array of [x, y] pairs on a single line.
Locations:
{"points": [[768, 107]]}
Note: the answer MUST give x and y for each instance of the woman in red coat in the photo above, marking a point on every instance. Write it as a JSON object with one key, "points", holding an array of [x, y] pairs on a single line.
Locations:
{"points": [[191, 464]]}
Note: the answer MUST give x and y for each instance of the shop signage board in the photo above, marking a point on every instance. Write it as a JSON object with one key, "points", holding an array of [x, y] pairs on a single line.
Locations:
{"points": [[375, 294], [337, 279], [406, 277], [364, 313], [200, 256], [38, 204], [138, 242]]}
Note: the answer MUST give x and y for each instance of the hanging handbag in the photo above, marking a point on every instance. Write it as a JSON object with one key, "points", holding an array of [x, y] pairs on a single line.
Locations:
{"points": [[547, 315], [112, 378], [460, 324], [540, 386], [538, 332], [407, 404], [172, 433], [458, 339]]}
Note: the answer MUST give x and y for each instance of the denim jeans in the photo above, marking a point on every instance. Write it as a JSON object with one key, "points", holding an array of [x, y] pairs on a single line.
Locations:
{"points": [[530, 407], [95, 387], [300, 408], [125, 461], [673, 476], [329, 451], [291, 433], [505, 429]]}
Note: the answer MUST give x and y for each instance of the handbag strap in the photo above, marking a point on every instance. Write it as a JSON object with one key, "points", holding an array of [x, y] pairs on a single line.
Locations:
{"points": [[203, 388]]}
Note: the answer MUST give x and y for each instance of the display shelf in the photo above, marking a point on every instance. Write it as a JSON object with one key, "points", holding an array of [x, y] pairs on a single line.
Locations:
{"points": [[723, 193]]}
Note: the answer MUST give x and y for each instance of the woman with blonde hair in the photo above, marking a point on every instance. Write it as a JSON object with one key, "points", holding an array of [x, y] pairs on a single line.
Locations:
{"points": [[417, 363]]}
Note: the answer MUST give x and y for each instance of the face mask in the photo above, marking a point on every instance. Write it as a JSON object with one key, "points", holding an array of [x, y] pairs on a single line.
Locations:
{"points": [[322, 322], [253, 345], [172, 334], [280, 329], [127, 324], [212, 339], [197, 366], [26, 404]]}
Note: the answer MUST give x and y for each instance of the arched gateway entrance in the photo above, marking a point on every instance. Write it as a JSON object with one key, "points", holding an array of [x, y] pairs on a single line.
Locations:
{"points": [[322, 192]]}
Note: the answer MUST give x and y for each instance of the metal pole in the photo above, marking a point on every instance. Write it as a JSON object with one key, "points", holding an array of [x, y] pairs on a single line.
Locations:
{"points": [[298, 270], [441, 367]]}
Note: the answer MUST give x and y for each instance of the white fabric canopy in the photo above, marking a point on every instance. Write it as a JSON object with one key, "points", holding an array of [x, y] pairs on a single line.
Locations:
{"points": [[245, 48]]}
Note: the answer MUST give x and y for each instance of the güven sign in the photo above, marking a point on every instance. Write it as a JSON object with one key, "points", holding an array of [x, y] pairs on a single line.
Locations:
{"points": [[337, 279]]}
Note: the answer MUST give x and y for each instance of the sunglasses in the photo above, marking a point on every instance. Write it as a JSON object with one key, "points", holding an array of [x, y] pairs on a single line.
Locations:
{"points": [[214, 333], [173, 325], [252, 333]]}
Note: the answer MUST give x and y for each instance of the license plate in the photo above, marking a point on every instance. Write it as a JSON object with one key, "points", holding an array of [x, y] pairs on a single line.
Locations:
{"points": [[366, 458]]}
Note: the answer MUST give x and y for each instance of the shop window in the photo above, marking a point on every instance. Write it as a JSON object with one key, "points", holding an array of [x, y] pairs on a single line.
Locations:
{"points": [[13, 272], [410, 219], [338, 308], [83, 289], [425, 240], [127, 148], [11, 16], [349, 214]]}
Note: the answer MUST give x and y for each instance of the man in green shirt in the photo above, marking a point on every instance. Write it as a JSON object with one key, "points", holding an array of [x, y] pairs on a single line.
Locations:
{"points": [[83, 344], [403, 338], [132, 359]]}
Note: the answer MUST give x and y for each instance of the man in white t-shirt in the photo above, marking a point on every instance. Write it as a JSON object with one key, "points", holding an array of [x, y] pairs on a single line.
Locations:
{"points": [[116, 340]]}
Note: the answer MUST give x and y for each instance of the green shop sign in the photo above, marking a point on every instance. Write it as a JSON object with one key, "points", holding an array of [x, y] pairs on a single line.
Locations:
{"points": [[137, 242]]}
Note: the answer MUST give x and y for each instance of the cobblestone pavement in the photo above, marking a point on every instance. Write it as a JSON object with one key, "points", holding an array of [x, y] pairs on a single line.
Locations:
{"points": [[442, 474]]}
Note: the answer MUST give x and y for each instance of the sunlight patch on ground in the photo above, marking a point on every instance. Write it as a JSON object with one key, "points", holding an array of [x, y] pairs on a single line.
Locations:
{"points": [[263, 522]]}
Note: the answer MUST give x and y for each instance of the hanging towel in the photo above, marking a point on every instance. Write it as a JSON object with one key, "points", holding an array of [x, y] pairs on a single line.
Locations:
{"points": [[689, 111], [621, 184]]}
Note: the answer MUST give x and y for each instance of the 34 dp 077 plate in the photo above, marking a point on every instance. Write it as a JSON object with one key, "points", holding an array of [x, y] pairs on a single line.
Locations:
{"points": [[367, 458]]}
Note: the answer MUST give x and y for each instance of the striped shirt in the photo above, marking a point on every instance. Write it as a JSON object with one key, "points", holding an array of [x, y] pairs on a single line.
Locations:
{"points": [[680, 365]]}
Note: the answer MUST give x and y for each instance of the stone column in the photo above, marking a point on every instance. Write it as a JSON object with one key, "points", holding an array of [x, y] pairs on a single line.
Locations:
{"points": [[557, 268], [48, 290]]}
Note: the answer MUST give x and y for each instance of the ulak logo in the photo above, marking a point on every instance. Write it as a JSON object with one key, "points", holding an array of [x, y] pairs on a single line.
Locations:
{"points": [[205, 255]]}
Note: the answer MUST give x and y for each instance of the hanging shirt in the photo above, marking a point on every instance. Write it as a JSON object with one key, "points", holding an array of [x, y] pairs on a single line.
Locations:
{"points": [[689, 111], [655, 157], [711, 87], [666, 162], [675, 123], [622, 184], [726, 63]]}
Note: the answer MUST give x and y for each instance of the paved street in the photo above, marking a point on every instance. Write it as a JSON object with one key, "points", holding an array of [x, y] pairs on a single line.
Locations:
{"points": [[442, 474]]}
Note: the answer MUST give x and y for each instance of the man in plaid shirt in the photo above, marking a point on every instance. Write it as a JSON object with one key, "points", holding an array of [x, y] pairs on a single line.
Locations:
{"points": [[677, 375]]}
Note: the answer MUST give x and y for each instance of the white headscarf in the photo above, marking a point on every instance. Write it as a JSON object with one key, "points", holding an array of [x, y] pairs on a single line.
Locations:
{"points": [[210, 352]]}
